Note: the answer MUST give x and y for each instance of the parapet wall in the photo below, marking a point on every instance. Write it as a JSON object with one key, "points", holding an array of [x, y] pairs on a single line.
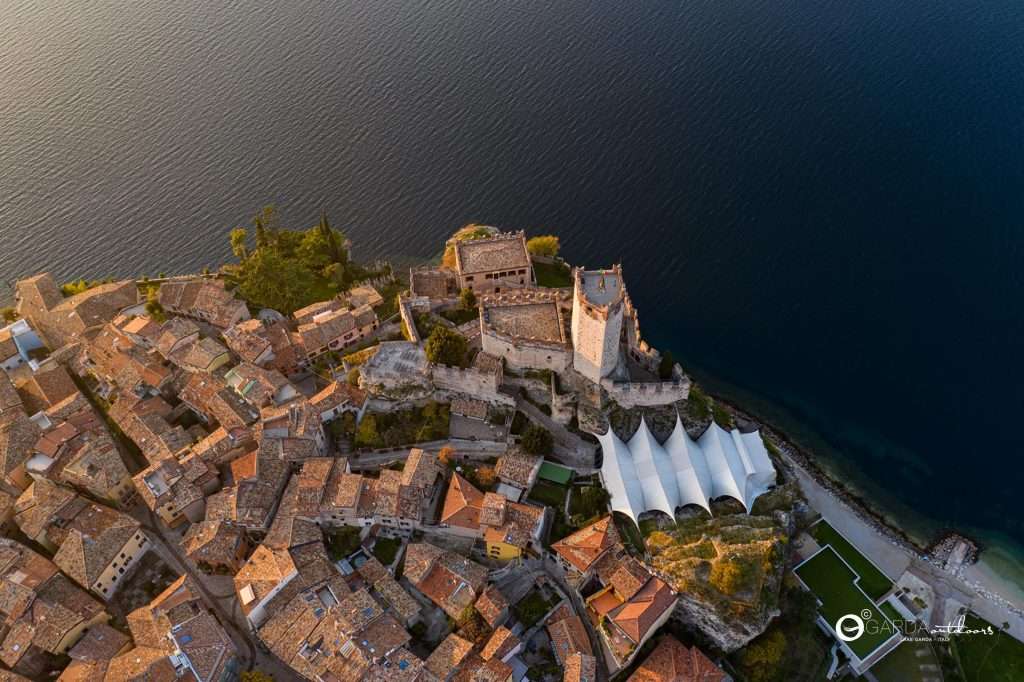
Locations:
{"points": [[647, 394], [482, 385]]}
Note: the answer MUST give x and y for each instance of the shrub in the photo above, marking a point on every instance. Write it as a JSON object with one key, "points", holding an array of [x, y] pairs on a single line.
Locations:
{"points": [[467, 299], [544, 245], [445, 347], [537, 440]]}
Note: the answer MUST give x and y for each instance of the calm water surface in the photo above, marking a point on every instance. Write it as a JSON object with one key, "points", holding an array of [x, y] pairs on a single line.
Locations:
{"points": [[819, 205]]}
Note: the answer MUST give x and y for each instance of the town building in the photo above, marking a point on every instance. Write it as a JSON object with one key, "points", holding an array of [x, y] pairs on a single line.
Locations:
{"points": [[568, 635], [507, 528], [18, 343], [490, 263], [335, 330], [336, 399], [176, 490], [45, 614], [176, 637], [202, 299], [260, 387], [92, 655], [517, 471], [94, 545], [672, 661], [445, 660], [59, 320], [579, 552], [213, 402], [451, 581], [216, 546], [579, 667], [250, 341]]}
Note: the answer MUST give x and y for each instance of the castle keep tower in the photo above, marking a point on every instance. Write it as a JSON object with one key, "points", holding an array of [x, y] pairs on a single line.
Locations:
{"points": [[597, 308]]}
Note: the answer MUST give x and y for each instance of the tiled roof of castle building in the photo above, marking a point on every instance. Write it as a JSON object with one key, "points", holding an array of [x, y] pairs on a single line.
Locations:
{"points": [[468, 407], [485, 362], [501, 252], [524, 319], [672, 661], [585, 546]]}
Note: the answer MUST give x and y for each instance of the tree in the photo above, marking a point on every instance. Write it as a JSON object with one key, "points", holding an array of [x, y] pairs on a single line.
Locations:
{"points": [[665, 366], [256, 676], [270, 281], [446, 456], [239, 236], [537, 440], [353, 377], [445, 347], [486, 477], [8, 314], [763, 658], [544, 245], [467, 299], [366, 433]]}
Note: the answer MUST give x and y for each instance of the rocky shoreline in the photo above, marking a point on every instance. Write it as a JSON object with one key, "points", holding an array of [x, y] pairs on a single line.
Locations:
{"points": [[793, 454]]}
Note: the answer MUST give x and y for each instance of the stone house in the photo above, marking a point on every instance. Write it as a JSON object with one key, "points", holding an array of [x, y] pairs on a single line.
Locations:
{"points": [[492, 263], [59, 320], [203, 299]]}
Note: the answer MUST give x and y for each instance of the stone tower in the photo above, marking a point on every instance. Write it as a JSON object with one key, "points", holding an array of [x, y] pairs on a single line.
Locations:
{"points": [[597, 308]]}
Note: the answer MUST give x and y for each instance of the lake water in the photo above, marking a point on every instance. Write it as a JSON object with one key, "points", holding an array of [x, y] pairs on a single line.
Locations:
{"points": [[819, 205]]}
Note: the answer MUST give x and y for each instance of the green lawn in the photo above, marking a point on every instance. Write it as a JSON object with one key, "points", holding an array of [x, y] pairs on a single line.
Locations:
{"points": [[872, 581], [555, 473], [552, 274], [459, 316], [531, 608], [549, 494], [903, 664], [832, 582], [385, 549], [988, 658]]}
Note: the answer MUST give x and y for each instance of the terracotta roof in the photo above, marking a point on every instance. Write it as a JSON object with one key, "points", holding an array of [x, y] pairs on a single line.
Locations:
{"points": [[520, 525], [518, 468], [501, 643], [10, 401], [671, 661], [210, 396], [420, 557], [47, 386], [39, 505], [637, 615], [174, 334], [467, 407], [100, 643], [580, 667], [18, 437], [206, 298], [335, 394], [396, 596], [96, 536], [215, 542], [448, 655], [492, 605], [200, 356], [568, 636], [462, 504], [585, 546], [264, 570], [256, 385], [248, 339], [306, 314], [629, 577]]}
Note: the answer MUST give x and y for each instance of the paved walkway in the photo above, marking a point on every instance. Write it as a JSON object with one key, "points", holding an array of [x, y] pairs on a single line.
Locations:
{"points": [[569, 447]]}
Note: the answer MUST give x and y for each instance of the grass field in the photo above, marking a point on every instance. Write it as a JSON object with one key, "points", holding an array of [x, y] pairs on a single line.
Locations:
{"points": [[385, 549], [872, 581], [909, 662], [988, 658], [552, 274], [832, 582]]}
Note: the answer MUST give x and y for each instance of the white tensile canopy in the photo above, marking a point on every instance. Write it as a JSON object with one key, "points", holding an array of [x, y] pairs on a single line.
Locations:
{"points": [[644, 475]]}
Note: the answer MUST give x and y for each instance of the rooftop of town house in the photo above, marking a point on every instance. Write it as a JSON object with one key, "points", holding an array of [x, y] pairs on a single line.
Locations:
{"points": [[200, 356], [462, 503], [211, 396], [214, 541], [672, 661], [504, 251], [336, 394], [401, 665], [491, 605], [48, 385], [249, 339], [142, 326], [99, 643], [638, 615], [518, 468], [448, 655], [330, 325], [205, 296], [10, 401], [173, 333], [568, 636], [264, 570], [258, 386], [500, 644], [306, 314], [585, 546], [519, 526], [18, 436], [364, 294], [421, 469], [580, 667], [95, 537], [396, 596]]}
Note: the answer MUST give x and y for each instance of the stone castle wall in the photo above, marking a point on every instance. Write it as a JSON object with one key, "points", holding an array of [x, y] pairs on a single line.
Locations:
{"points": [[520, 355], [647, 394]]}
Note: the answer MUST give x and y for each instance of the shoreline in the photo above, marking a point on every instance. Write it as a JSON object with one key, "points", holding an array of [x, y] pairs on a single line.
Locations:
{"points": [[982, 578]]}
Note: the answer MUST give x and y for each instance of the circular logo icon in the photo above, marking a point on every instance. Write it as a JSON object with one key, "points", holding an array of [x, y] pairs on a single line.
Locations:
{"points": [[850, 627]]}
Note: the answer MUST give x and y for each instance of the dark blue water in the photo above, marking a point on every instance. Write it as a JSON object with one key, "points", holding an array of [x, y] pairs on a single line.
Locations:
{"points": [[819, 205]]}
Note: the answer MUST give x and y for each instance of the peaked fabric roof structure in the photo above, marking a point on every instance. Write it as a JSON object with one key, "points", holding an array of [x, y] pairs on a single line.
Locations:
{"points": [[645, 475]]}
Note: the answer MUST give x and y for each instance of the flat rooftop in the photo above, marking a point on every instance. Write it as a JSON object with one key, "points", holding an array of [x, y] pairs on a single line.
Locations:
{"points": [[535, 321], [601, 287], [397, 357]]}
